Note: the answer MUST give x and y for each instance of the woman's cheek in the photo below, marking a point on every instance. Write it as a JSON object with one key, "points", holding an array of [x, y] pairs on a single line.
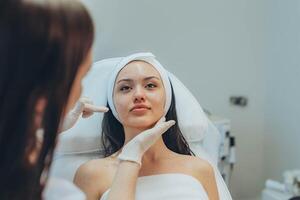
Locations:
{"points": [[158, 99], [122, 108]]}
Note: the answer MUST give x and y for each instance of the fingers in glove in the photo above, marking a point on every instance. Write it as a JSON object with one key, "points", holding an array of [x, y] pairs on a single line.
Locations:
{"points": [[93, 108], [162, 127], [90, 109], [159, 129]]}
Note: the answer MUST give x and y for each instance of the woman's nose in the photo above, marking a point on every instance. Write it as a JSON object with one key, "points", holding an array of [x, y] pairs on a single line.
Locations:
{"points": [[139, 94]]}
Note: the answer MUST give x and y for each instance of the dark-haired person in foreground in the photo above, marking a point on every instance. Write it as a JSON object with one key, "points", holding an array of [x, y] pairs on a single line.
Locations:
{"points": [[45, 51]]}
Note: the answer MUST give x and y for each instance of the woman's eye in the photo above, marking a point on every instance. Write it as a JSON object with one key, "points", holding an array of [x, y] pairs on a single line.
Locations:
{"points": [[124, 88], [150, 85]]}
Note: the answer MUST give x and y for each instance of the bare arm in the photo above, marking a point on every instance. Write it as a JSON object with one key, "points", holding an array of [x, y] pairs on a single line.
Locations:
{"points": [[124, 183], [211, 187], [208, 180]]}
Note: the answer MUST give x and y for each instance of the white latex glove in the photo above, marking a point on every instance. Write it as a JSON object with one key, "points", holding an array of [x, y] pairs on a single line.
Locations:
{"points": [[135, 148], [85, 107]]}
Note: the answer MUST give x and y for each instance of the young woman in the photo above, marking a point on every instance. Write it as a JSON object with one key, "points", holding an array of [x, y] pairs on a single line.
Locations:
{"points": [[45, 52], [141, 164]]}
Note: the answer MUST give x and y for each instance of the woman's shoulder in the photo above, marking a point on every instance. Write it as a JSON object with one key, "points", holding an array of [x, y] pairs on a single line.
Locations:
{"points": [[194, 162], [197, 167], [201, 165], [97, 167], [95, 175], [204, 172]]}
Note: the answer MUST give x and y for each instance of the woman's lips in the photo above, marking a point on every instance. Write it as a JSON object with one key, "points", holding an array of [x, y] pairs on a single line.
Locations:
{"points": [[140, 109]]}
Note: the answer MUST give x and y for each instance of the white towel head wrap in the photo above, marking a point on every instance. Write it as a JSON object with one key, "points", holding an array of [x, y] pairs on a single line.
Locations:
{"points": [[149, 58]]}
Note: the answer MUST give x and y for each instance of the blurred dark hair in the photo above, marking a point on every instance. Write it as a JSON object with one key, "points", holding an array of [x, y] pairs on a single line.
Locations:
{"points": [[42, 45], [113, 137]]}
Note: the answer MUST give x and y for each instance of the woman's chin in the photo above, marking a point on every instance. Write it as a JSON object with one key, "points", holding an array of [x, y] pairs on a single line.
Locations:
{"points": [[142, 123]]}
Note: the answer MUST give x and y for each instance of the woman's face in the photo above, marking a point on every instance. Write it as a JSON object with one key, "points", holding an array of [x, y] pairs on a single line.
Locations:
{"points": [[139, 95], [77, 84]]}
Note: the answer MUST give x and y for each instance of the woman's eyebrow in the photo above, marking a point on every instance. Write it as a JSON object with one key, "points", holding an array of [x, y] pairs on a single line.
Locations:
{"points": [[130, 80], [125, 79], [151, 77]]}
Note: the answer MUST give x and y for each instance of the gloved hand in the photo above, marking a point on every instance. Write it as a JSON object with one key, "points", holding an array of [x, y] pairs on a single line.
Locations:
{"points": [[135, 148], [85, 107]]}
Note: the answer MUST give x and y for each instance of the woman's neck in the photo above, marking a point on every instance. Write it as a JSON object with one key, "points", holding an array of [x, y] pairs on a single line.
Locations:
{"points": [[156, 152], [131, 133]]}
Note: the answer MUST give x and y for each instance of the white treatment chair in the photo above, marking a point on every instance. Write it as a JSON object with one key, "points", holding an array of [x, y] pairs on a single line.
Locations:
{"points": [[82, 142]]}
